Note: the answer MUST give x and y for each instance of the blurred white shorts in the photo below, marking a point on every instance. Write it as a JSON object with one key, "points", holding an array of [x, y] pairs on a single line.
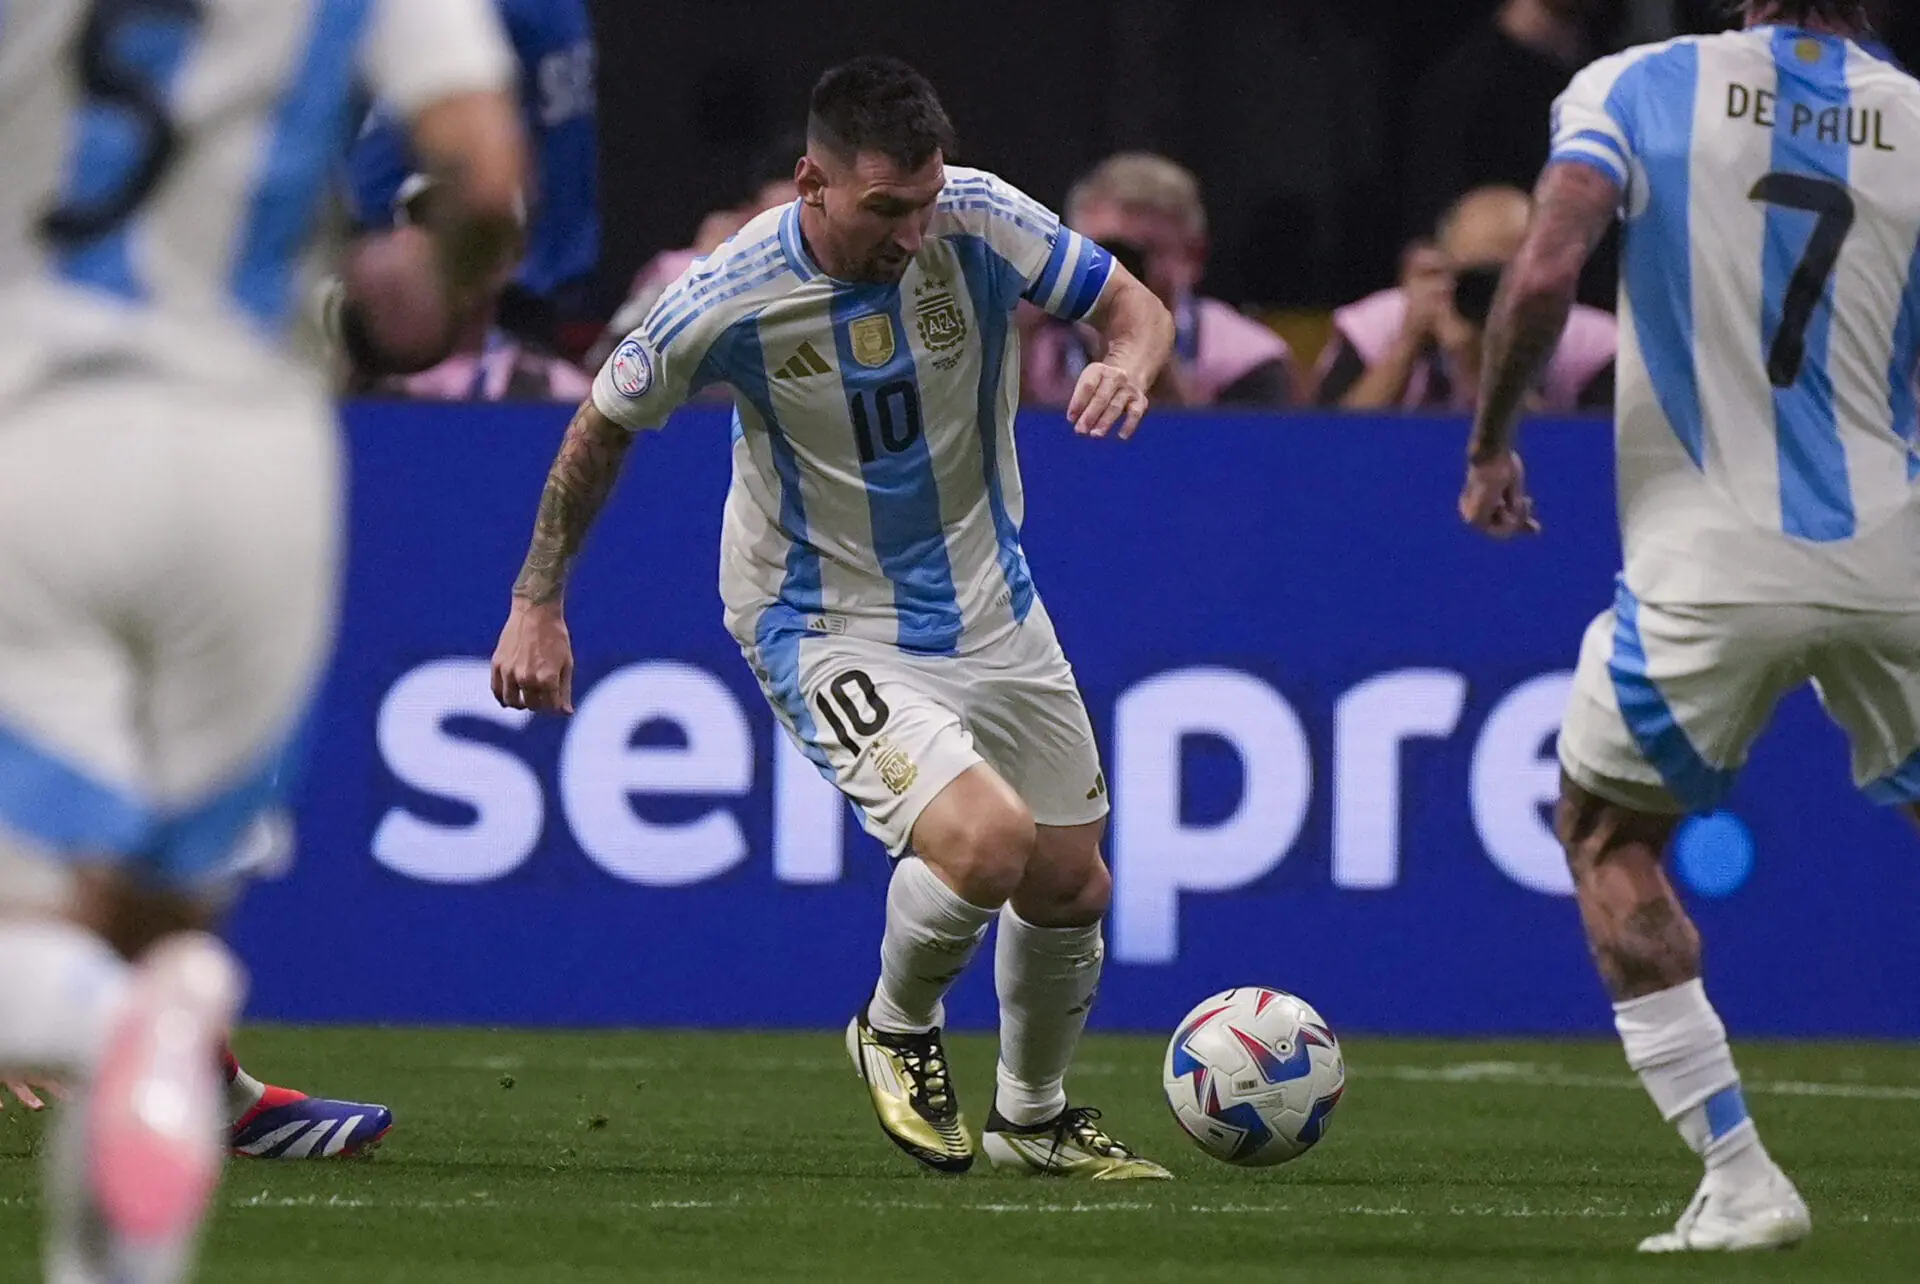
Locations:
{"points": [[168, 577], [1668, 700]]}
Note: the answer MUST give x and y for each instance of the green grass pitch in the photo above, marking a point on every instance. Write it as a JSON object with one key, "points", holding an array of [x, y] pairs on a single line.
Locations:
{"points": [[689, 1157]]}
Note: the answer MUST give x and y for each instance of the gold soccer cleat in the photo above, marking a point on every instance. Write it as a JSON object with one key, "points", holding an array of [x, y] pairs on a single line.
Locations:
{"points": [[912, 1091], [1072, 1145]]}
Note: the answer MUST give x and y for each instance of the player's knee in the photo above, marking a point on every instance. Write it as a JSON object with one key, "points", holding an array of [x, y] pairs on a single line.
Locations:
{"points": [[1066, 893], [988, 852]]}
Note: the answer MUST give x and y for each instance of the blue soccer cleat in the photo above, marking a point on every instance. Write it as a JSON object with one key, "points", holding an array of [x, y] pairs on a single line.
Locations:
{"points": [[291, 1125]]}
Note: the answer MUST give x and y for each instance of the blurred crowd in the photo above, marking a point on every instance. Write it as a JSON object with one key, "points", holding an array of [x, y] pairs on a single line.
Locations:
{"points": [[1478, 135]]}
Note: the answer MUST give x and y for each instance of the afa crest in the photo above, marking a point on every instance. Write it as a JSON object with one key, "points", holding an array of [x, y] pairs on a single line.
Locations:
{"points": [[871, 339], [942, 324]]}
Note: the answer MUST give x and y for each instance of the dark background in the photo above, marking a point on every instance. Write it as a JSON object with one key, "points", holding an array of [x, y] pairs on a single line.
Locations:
{"points": [[1290, 111]]}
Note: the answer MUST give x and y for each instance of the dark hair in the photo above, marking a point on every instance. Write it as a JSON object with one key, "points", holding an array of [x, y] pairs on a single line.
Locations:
{"points": [[876, 104], [1859, 13]]}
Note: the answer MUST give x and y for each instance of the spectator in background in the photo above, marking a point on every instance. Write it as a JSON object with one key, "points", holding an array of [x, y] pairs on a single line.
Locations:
{"points": [[769, 183], [1482, 115], [1418, 347], [487, 364], [1146, 211], [553, 41]]}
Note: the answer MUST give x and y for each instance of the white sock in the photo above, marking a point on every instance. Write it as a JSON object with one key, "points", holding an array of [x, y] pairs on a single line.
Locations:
{"points": [[931, 936], [243, 1090], [1046, 978], [60, 988], [1677, 1044]]}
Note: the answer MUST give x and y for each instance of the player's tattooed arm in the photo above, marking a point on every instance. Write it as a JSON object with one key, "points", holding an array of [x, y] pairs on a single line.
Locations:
{"points": [[577, 488], [1573, 207]]}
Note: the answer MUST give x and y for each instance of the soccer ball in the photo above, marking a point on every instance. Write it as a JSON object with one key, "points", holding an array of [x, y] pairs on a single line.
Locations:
{"points": [[1253, 1076]]}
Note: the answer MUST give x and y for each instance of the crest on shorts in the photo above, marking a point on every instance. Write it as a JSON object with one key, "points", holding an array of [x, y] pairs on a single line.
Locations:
{"points": [[872, 340], [942, 324], [897, 770]]}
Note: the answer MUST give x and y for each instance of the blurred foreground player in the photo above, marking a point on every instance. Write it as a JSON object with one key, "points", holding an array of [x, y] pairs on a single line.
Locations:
{"points": [[872, 573], [169, 523], [1767, 420]]}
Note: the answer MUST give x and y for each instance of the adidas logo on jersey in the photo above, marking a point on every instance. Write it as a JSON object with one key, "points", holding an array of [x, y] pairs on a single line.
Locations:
{"points": [[804, 364]]}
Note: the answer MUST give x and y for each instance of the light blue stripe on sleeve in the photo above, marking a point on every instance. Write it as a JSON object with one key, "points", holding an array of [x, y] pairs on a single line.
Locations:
{"points": [[771, 272], [308, 132], [685, 296], [1595, 149], [1057, 262], [1089, 279], [909, 538], [1816, 495], [993, 284], [1653, 103]]}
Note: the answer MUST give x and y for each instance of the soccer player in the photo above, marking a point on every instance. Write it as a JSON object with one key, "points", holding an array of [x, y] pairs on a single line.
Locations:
{"points": [[1770, 312], [872, 573], [553, 43], [169, 485]]}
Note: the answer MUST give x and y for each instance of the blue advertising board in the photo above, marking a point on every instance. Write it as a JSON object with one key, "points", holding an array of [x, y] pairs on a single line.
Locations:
{"points": [[1327, 712]]}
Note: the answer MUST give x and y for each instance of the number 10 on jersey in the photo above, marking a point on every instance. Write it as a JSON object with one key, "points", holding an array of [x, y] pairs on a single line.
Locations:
{"points": [[894, 410]]}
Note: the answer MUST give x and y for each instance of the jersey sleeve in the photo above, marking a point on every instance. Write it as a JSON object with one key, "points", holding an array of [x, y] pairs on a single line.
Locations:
{"points": [[1059, 270], [1591, 123], [420, 52], [640, 385], [670, 356]]}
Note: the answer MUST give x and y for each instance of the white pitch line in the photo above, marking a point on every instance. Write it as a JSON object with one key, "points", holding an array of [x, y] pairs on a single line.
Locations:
{"points": [[1526, 1074], [1482, 1212], [1529, 1075]]}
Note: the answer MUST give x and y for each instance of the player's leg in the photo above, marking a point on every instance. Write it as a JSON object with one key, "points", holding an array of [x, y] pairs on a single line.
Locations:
{"points": [[126, 1184], [239, 648], [1664, 708], [271, 1122], [1033, 726], [960, 839]]}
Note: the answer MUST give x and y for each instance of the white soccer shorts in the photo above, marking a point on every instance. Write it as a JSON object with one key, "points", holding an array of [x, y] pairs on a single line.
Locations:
{"points": [[1668, 699], [893, 728], [167, 583]]}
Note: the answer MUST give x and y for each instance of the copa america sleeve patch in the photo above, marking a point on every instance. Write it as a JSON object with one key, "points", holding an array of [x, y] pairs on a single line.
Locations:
{"points": [[632, 370]]}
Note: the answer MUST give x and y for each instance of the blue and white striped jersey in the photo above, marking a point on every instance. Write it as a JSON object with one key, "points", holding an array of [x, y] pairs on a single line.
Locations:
{"points": [[875, 488], [167, 163], [1770, 308]]}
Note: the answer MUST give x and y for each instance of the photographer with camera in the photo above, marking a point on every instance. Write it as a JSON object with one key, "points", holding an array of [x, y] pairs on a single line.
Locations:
{"points": [[1145, 211], [1418, 347]]}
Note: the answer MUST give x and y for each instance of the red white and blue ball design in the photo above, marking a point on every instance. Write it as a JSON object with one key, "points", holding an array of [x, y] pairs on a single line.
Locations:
{"points": [[1253, 1075]]}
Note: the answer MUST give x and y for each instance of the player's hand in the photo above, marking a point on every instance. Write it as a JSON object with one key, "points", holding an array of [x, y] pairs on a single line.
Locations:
{"points": [[1106, 395], [27, 1092], [1495, 499], [533, 663]]}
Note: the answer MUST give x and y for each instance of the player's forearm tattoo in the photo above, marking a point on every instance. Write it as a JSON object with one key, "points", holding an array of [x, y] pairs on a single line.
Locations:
{"points": [[1572, 210], [1521, 339], [577, 487]]}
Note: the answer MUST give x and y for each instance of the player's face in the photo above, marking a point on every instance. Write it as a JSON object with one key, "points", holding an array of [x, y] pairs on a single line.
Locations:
{"points": [[877, 212], [1170, 258]]}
